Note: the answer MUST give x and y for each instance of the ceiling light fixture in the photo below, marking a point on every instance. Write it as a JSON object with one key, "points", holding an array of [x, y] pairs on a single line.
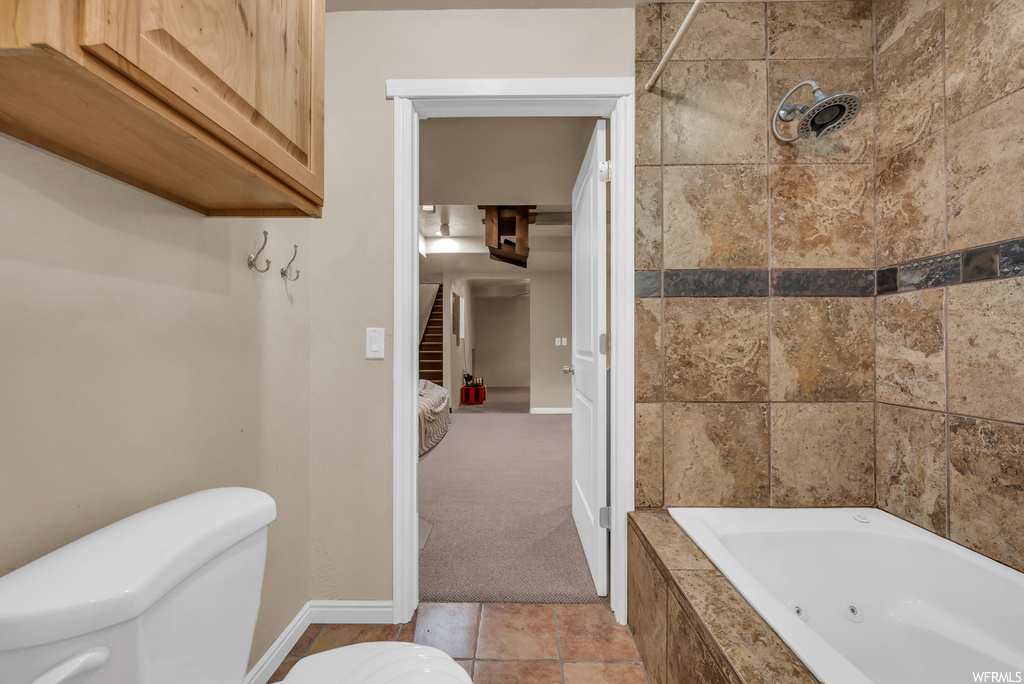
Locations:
{"points": [[428, 208]]}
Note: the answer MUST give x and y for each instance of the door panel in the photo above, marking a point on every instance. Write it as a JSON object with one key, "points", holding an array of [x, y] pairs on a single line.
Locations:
{"points": [[589, 320], [245, 70]]}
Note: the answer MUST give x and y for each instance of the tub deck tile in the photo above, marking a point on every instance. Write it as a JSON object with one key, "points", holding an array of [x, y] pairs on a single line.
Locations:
{"points": [[736, 644], [752, 647], [669, 543]]}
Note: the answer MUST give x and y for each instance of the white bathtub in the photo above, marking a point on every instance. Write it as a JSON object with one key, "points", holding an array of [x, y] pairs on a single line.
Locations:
{"points": [[879, 600]]}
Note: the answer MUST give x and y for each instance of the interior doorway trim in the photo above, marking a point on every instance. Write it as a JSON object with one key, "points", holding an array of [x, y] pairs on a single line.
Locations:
{"points": [[452, 98]]}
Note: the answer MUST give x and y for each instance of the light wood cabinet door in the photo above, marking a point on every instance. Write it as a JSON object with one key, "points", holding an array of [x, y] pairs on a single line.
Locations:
{"points": [[248, 71]]}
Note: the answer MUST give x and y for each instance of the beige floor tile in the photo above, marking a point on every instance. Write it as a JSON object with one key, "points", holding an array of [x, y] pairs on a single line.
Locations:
{"points": [[514, 631]]}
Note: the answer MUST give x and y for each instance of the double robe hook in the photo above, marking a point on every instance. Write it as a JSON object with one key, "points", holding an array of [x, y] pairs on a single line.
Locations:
{"points": [[253, 262]]}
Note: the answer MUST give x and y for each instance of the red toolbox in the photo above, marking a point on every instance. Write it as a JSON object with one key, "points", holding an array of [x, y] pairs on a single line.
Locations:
{"points": [[473, 395]]}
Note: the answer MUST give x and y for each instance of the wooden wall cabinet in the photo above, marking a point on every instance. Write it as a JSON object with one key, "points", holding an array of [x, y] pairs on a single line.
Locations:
{"points": [[214, 104]]}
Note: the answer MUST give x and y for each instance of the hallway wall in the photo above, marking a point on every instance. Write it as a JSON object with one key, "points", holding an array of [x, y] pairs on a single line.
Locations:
{"points": [[502, 340]]}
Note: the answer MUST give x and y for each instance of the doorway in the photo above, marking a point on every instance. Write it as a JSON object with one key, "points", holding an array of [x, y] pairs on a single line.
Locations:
{"points": [[415, 100]]}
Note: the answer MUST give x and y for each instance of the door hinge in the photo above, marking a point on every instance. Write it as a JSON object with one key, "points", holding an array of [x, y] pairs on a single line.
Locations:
{"points": [[602, 343], [604, 517], [604, 172]]}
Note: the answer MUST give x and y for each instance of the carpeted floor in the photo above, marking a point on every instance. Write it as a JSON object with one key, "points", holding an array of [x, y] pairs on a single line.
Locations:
{"points": [[497, 490], [501, 400]]}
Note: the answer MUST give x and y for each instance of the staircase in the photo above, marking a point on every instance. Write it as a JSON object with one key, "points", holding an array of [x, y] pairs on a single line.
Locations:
{"points": [[432, 344]]}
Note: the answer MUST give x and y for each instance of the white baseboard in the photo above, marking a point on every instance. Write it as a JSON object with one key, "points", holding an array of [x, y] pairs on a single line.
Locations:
{"points": [[317, 612], [352, 612], [266, 666], [550, 410]]}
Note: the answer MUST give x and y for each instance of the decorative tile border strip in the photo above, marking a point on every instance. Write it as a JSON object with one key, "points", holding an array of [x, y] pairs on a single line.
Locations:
{"points": [[934, 272], [716, 283], [1001, 260], [1011, 258], [647, 284], [823, 282]]}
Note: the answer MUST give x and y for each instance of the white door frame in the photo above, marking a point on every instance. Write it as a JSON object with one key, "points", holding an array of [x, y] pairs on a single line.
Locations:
{"points": [[430, 98]]}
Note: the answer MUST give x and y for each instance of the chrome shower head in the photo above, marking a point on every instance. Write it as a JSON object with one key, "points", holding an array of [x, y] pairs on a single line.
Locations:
{"points": [[828, 114]]}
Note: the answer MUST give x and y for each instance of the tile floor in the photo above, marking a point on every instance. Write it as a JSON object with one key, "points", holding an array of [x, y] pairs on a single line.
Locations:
{"points": [[504, 643]]}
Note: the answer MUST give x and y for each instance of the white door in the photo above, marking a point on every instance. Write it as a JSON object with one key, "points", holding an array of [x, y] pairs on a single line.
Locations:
{"points": [[589, 400]]}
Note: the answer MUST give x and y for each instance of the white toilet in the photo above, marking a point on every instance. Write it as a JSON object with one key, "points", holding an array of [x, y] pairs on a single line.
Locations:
{"points": [[170, 596]]}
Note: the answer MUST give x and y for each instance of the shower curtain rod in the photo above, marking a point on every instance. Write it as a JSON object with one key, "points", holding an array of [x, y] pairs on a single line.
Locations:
{"points": [[674, 45]]}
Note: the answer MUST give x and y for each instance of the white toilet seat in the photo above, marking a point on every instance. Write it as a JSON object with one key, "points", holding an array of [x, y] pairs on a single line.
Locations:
{"points": [[380, 662]]}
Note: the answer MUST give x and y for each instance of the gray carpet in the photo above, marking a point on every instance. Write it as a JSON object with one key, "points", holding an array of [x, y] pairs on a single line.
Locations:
{"points": [[501, 400], [497, 490]]}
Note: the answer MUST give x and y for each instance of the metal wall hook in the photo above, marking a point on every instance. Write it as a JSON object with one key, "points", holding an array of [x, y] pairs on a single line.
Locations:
{"points": [[254, 258], [284, 271]]}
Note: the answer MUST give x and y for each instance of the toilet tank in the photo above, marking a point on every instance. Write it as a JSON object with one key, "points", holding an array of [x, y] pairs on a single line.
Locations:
{"points": [[166, 596]]}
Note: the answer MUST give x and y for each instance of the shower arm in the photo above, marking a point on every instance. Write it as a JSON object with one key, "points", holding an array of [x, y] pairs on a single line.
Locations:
{"points": [[674, 45], [788, 112]]}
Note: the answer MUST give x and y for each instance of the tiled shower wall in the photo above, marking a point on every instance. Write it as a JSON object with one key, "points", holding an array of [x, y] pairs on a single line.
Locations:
{"points": [[768, 372], [950, 342], [755, 262]]}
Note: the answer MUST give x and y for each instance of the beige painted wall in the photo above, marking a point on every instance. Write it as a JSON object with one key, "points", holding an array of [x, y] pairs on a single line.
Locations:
{"points": [[520, 160], [351, 263], [501, 328], [458, 357], [141, 361], [550, 317]]}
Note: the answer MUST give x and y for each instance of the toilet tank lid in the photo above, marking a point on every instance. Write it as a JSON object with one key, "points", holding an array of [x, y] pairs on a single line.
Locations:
{"points": [[120, 571]]}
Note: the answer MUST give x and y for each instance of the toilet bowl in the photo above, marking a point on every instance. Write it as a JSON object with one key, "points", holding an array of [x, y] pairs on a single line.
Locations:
{"points": [[170, 595], [382, 662]]}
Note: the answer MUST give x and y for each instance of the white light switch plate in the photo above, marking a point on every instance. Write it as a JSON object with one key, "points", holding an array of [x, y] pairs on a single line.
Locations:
{"points": [[558, 341], [565, 341], [375, 343]]}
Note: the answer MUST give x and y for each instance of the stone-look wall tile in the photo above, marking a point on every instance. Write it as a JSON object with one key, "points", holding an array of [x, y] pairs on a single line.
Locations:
{"points": [[985, 159], [716, 455], [822, 216], [647, 594], [910, 352], [984, 60], [648, 217], [648, 32], [648, 466], [822, 349], [717, 217], [817, 30], [647, 123], [716, 349], [725, 31], [822, 454], [986, 488], [670, 543], [648, 350], [753, 648], [855, 143], [911, 460], [986, 349], [910, 86], [693, 656], [894, 17], [708, 111], [911, 191]]}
